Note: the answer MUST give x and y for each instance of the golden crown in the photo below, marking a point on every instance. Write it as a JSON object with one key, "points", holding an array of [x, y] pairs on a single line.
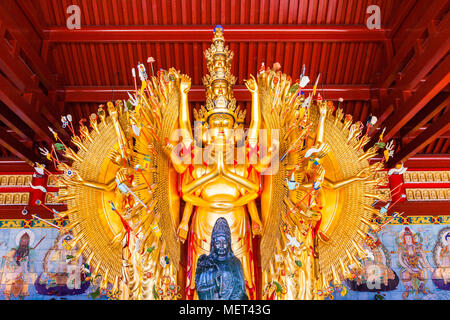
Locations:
{"points": [[219, 82]]}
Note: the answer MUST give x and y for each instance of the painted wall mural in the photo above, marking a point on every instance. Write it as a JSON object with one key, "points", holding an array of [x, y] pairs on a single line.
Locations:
{"points": [[36, 264], [408, 260]]}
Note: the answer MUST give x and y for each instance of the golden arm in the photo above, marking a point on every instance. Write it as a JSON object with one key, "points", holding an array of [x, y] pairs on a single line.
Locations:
{"points": [[199, 202], [255, 122], [184, 119], [121, 139], [100, 186], [320, 132], [267, 160], [335, 185], [183, 227], [177, 162], [92, 184], [256, 221], [243, 182]]}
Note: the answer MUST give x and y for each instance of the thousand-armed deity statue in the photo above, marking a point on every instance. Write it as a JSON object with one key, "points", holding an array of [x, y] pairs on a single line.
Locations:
{"points": [[163, 206]]}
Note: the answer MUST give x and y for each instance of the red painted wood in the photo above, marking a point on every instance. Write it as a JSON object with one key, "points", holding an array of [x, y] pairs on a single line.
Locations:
{"points": [[203, 34], [197, 93], [423, 139], [434, 84]]}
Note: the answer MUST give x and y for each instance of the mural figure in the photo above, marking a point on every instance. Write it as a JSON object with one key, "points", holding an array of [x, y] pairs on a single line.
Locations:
{"points": [[376, 274], [441, 257], [17, 269], [219, 275], [61, 274], [413, 262]]}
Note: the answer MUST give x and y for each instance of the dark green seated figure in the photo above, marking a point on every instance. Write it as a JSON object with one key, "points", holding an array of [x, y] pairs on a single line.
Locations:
{"points": [[219, 275]]}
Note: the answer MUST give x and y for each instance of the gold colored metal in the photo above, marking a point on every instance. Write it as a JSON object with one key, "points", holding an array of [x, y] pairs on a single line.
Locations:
{"points": [[137, 164]]}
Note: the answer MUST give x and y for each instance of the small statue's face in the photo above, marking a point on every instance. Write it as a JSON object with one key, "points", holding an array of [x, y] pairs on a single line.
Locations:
{"points": [[219, 61], [221, 125], [220, 88], [221, 246]]}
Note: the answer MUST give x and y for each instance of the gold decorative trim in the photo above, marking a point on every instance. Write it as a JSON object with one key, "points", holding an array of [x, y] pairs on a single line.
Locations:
{"points": [[413, 220], [15, 180], [426, 176], [29, 223], [429, 194], [14, 198]]}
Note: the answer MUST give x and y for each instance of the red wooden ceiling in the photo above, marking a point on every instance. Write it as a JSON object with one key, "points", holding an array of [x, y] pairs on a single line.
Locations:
{"points": [[79, 70]]}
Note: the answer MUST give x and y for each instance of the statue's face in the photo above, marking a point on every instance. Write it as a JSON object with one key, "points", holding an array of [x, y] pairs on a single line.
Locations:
{"points": [[221, 125], [219, 61], [220, 88], [221, 246]]}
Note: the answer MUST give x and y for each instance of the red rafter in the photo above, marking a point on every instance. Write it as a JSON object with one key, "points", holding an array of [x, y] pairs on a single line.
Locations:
{"points": [[432, 86], [422, 140], [197, 93], [14, 146], [251, 33]]}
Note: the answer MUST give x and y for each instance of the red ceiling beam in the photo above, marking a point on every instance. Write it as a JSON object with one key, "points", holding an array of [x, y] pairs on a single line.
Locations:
{"points": [[15, 147], [436, 129], [252, 33], [28, 8], [16, 103], [432, 109], [10, 119], [427, 91], [14, 68], [425, 12], [197, 93], [435, 49], [428, 161], [17, 25]]}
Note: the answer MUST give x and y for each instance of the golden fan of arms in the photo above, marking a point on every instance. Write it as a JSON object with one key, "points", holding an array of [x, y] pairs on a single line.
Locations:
{"points": [[127, 180]]}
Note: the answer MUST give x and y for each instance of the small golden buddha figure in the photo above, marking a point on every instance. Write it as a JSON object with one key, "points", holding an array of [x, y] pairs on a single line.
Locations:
{"points": [[24, 198], [433, 195], [417, 195], [406, 177], [422, 177], [12, 181], [28, 180], [409, 194], [20, 181], [16, 198]]}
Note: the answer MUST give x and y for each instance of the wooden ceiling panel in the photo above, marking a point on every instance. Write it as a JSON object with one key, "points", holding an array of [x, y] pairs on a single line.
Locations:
{"points": [[106, 64], [93, 64], [212, 12]]}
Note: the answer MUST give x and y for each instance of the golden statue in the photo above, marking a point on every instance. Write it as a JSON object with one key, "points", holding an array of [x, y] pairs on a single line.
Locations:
{"points": [[293, 192]]}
